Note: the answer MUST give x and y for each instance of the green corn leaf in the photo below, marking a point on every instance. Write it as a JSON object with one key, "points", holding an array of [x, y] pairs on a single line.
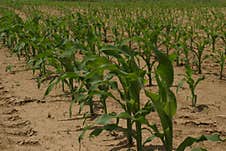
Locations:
{"points": [[52, 83], [132, 104], [172, 57], [154, 128], [165, 68], [69, 75], [165, 113], [213, 137], [110, 127], [104, 119], [198, 81], [112, 51], [99, 130], [70, 107], [199, 149], [153, 96], [170, 107], [180, 85], [116, 53], [84, 130], [127, 51], [93, 62], [95, 132], [167, 102], [123, 115], [149, 139], [141, 119], [190, 140], [146, 110]]}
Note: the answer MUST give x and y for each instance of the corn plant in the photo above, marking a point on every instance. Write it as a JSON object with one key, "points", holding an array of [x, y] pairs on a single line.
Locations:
{"points": [[178, 43], [185, 48], [65, 65], [191, 34], [220, 58], [212, 29], [199, 54], [223, 37], [192, 83], [147, 44], [96, 84], [164, 101], [10, 25], [131, 77], [167, 37], [132, 83]]}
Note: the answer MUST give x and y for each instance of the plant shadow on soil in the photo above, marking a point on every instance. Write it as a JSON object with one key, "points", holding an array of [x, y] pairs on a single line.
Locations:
{"points": [[124, 145]]}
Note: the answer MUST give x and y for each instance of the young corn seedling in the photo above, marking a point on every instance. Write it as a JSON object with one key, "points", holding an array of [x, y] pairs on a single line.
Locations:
{"points": [[223, 37], [185, 50], [147, 44], [96, 84], [191, 32], [199, 54], [212, 33], [168, 37], [220, 58], [192, 83], [178, 33]]}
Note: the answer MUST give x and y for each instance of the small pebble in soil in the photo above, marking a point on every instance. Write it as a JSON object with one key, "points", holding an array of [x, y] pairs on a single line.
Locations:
{"points": [[50, 116]]}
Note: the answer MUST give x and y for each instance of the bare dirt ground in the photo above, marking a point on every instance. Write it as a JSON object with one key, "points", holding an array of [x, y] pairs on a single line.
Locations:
{"points": [[29, 122]]}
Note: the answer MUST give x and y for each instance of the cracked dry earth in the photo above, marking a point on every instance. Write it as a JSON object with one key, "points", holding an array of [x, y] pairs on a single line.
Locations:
{"points": [[29, 122]]}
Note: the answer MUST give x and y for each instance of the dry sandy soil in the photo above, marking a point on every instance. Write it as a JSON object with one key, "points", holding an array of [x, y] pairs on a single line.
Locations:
{"points": [[29, 122]]}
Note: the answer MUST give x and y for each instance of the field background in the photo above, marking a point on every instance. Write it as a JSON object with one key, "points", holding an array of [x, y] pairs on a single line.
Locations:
{"points": [[29, 122]]}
